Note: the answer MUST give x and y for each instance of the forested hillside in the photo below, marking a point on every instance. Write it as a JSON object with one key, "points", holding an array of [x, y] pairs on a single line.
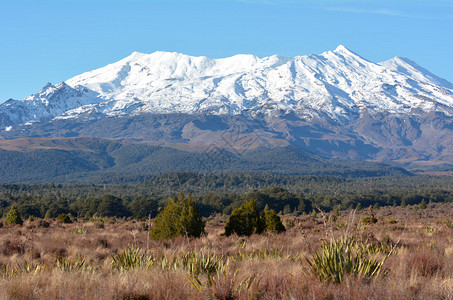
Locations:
{"points": [[89, 160]]}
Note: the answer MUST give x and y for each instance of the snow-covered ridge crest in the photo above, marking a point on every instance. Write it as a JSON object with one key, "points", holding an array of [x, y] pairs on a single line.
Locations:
{"points": [[338, 84]]}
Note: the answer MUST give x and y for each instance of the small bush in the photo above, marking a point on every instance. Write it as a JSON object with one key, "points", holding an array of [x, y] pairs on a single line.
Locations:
{"points": [[245, 220], [99, 225], [78, 230], [12, 247], [179, 218], [13, 217], [369, 218], [288, 223], [60, 253], [422, 204], [272, 222], [447, 222], [424, 264], [42, 224], [64, 218], [429, 229], [103, 243]]}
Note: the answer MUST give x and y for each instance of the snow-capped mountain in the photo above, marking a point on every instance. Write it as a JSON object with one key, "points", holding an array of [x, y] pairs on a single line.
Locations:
{"points": [[50, 102], [336, 83], [337, 96]]}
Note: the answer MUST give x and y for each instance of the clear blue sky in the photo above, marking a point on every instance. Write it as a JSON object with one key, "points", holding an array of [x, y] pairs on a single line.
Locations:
{"points": [[51, 41]]}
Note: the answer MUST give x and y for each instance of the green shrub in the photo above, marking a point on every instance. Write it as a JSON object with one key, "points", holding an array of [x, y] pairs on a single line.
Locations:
{"points": [[422, 204], [448, 223], [13, 217], [179, 218], [42, 224], [64, 218], [370, 218], [245, 220], [272, 222]]}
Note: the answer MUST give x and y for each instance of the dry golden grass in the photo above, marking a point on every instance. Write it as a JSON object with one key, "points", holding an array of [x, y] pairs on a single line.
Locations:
{"points": [[41, 263]]}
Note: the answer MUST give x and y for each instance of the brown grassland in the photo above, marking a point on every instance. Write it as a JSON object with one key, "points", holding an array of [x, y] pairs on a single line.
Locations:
{"points": [[115, 259]]}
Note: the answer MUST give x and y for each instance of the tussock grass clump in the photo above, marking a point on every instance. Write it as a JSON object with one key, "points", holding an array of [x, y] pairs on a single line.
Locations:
{"points": [[424, 263]]}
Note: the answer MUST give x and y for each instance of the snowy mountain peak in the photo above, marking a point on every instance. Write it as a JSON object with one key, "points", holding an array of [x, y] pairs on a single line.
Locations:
{"points": [[48, 85], [338, 84], [413, 70], [343, 49]]}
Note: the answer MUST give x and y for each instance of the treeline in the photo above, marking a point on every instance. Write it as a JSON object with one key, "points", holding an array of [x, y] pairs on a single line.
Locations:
{"points": [[166, 185], [275, 198]]}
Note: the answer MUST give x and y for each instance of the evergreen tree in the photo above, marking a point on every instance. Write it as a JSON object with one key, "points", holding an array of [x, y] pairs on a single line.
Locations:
{"points": [[190, 220], [13, 217], [111, 206], [305, 205], [273, 221], [144, 207], [245, 220], [179, 218], [422, 204], [286, 209]]}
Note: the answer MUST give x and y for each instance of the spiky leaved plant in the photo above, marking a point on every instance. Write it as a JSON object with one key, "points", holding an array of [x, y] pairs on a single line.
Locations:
{"points": [[131, 258], [345, 256]]}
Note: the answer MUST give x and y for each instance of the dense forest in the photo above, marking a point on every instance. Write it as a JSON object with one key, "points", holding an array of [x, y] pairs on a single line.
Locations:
{"points": [[86, 161], [216, 193]]}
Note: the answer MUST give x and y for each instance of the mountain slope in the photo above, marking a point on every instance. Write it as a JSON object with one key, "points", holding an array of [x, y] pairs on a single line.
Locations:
{"points": [[337, 104], [338, 83]]}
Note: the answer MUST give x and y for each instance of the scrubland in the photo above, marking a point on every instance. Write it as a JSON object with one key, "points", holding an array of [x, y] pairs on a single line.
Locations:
{"points": [[115, 259]]}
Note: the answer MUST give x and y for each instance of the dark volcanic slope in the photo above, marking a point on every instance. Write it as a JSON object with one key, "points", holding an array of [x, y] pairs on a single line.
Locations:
{"points": [[412, 141]]}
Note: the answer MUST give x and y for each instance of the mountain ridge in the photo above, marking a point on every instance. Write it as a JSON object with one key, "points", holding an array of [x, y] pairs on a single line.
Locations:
{"points": [[338, 83]]}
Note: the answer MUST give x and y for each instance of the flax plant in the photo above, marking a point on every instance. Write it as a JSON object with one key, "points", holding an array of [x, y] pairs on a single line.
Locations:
{"points": [[345, 256]]}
